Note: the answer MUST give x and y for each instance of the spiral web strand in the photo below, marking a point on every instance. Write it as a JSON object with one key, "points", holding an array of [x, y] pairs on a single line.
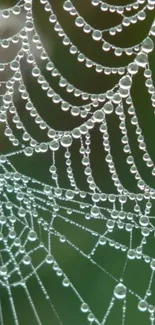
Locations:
{"points": [[45, 226]]}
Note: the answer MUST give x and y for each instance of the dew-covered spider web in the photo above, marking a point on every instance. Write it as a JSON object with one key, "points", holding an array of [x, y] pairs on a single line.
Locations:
{"points": [[77, 162]]}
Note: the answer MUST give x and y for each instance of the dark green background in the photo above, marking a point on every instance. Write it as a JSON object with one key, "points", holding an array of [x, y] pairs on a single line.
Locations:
{"points": [[94, 286]]}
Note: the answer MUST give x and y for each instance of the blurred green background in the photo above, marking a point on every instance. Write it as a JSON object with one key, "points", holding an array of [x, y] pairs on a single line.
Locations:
{"points": [[94, 285]]}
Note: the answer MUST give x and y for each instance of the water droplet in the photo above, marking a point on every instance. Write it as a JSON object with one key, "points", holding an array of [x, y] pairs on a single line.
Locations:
{"points": [[125, 82], [102, 240], [49, 259], [131, 254], [32, 236], [153, 264], [120, 291], [147, 45], [98, 116], [54, 145], [3, 270], [141, 59], [14, 65], [108, 108], [69, 194], [27, 259], [84, 308], [28, 151], [97, 35], [79, 21], [65, 282], [142, 305], [66, 141], [144, 221], [62, 238], [95, 211], [67, 5]]}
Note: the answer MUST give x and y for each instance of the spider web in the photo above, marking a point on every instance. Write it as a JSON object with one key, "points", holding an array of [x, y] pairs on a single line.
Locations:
{"points": [[77, 166]]}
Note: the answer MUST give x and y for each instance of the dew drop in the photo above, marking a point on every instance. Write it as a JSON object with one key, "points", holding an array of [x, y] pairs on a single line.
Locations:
{"points": [[28, 151], [69, 194], [79, 21], [27, 259], [67, 5], [32, 236], [141, 59], [153, 264], [120, 291], [14, 65], [125, 82], [84, 308], [131, 254], [147, 45], [97, 35], [98, 116], [49, 259], [144, 221], [54, 145], [65, 282], [142, 305], [108, 108], [66, 141]]}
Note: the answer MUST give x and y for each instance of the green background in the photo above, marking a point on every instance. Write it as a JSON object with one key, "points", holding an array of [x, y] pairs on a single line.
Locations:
{"points": [[93, 285]]}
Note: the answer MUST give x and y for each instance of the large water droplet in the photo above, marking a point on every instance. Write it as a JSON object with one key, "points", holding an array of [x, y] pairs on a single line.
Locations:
{"points": [[125, 82], [108, 108], [147, 45], [27, 259], [120, 291], [142, 305], [32, 236], [98, 116], [66, 141], [84, 308], [97, 35], [141, 59]]}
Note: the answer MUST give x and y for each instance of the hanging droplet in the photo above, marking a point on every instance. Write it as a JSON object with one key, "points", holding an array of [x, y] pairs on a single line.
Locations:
{"points": [[141, 59], [54, 145], [153, 264], [97, 35], [108, 108], [84, 308], [67, 5], [142, 305], [27, 259], [120, 291], [66, 282], [32, 236], [49, 259], [125, 82], [66, 140], [98, 116], [147, 45]]}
